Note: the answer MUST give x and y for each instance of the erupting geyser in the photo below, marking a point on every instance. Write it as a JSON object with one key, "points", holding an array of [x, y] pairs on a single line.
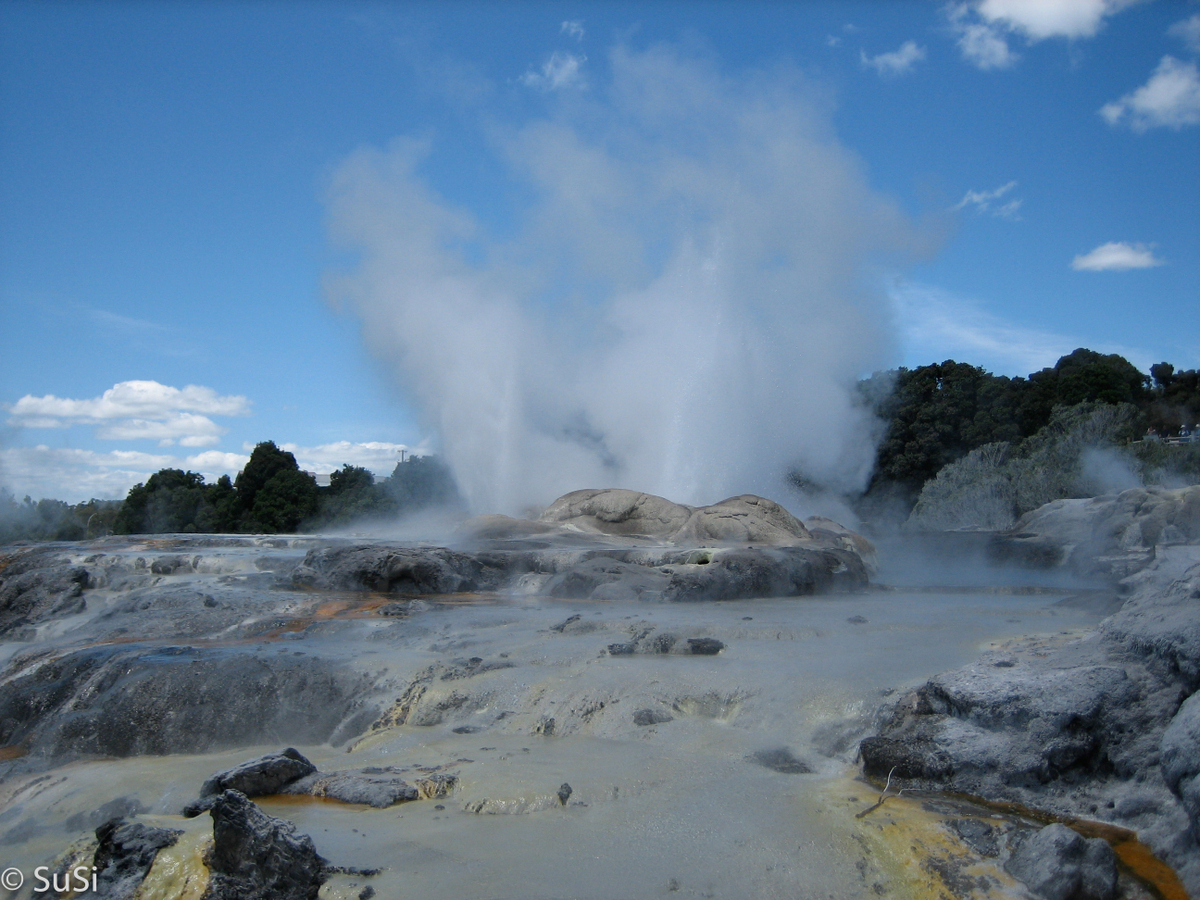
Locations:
{"points": [[679, 303]]}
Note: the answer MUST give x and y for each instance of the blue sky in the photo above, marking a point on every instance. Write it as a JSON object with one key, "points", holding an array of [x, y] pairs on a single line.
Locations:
{"points": [[360, 228]]}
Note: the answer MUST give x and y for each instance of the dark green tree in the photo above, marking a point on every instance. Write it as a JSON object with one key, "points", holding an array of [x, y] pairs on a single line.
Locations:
{"points": [[265, 461], [288, 498], [168, 502]]}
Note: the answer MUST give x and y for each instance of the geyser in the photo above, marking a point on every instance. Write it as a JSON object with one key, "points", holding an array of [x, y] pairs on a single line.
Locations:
{"points": [[679, 300]]}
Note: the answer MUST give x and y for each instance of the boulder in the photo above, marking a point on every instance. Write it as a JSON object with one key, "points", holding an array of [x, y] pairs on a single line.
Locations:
{"points": [[259, 777], [258, 857], [124, 855]]}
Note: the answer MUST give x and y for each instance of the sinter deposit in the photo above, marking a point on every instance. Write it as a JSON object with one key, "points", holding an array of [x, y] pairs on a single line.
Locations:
{"points": [[530, 710]]}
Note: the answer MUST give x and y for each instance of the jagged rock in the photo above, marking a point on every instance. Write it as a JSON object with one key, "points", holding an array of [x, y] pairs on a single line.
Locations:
{"points": [[262, 776], [564, 793], [704, 646], [125, 853], [124, 700], [259, 777], [1058, 864], [258, 857]]}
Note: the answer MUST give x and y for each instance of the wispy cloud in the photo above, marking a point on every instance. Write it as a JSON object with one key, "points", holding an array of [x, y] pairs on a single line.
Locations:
{"points": [[897, 62], [1171, 98], [561, 70], [984, 26], [936, 325], [573, 28], [136, 410], [1188, 31], [1116, 257], [984, 202]]}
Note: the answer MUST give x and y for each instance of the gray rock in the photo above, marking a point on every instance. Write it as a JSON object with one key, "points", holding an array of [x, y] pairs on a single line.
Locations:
{"points": [[258, 857], [1180, 757], [38, 586], [259, 777], [125, 700], [1058, 864], [781, 760], [705, 646], [1113, 536], [125, 853], [379, 790], [643, 717]]}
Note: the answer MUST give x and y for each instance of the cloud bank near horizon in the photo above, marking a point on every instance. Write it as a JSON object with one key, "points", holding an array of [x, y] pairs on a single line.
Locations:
{"points": [[683, 306]]}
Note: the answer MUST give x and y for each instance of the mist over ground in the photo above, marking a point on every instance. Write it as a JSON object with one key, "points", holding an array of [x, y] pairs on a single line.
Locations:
{"points": [[682, 305]]}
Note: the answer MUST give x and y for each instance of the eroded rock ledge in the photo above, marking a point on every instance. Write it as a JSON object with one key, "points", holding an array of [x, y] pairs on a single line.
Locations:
{"points": [[1106, 727]]}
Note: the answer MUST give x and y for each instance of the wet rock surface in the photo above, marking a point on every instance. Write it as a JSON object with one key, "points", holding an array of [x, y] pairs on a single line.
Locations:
{"points": [[129, 700], [1104, 727], [483, 674]]}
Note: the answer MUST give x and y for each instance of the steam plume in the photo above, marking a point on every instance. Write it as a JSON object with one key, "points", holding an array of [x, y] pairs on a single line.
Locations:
{"points": [[682, 306]]}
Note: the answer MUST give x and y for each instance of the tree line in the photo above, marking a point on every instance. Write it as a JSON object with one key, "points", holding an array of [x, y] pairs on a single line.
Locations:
{"points": [[933, 417], [271, 495], [936, 415]]}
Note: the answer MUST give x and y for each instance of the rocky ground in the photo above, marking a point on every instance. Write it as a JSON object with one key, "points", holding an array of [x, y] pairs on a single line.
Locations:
{"points": [[539, 669], [1105, 727]]}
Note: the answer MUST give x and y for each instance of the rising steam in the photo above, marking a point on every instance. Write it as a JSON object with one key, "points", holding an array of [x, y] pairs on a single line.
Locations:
{"points": [[682, 306]]}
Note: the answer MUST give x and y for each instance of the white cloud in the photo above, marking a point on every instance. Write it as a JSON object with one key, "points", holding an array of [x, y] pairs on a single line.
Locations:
{"points": [[188, 429], [76, 475], [983, 202], [1171, 98], [136, 410], [981, 44], [936, 325], [561, 70], [1116, 257], [897, 62], [573, 28], [214, 463], [1041, 19], [1188, 31], [983, 26]]}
